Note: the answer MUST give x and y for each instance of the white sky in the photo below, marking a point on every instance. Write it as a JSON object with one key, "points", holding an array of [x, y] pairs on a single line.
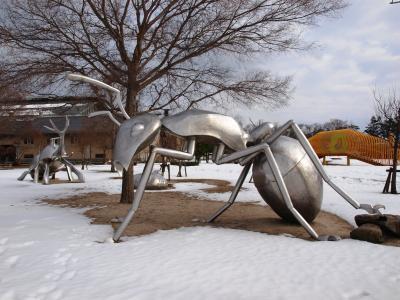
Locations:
{"points": [[355, 53]]}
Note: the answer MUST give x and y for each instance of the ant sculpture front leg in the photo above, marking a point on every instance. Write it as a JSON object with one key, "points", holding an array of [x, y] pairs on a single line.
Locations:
{"points": [[145, 178]]}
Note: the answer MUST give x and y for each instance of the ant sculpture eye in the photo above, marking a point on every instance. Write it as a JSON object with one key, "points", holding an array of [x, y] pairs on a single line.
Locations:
{"points": [[136, 128]]}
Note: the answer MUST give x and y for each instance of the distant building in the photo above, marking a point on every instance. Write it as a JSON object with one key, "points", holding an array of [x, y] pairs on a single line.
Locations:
{"points": [[23, 135]]}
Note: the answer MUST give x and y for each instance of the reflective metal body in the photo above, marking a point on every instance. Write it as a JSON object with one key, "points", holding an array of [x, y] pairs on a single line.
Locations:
{"points": [[156, 181], [287, 172], [54, 167], [133, 136], [212, 127], [302, 179], [50, 150], [260, 132], [52, 159]]}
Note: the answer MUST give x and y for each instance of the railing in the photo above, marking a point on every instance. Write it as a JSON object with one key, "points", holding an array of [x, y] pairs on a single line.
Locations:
{"points": [[354, 144]]}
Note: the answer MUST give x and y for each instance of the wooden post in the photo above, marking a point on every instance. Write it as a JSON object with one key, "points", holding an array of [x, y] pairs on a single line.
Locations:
{"points": [[324, 161], [348, 161], [387, 183]]}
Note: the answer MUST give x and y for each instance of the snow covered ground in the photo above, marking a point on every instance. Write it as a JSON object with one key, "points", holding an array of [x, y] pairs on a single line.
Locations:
{"points": [[54, 253]]}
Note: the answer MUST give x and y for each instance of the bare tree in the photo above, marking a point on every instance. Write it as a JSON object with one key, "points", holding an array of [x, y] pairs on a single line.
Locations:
{"points": [[333, 124], [387, 107], [161, 53]]}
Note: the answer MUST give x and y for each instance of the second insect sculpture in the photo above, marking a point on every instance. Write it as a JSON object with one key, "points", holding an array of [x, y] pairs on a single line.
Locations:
{"points": [[52, 159]]}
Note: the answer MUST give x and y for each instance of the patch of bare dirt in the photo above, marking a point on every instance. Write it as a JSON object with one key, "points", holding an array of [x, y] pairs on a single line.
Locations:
{"points": [[56, 181], [219, 186], [169, 210]]}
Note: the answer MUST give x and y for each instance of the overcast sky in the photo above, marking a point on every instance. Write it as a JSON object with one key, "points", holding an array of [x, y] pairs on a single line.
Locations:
{"points": [[355, 53]]}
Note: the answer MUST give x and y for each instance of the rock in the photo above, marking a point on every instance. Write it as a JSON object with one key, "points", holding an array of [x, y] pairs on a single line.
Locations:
{"points": [[389, 223], [368, 232], [392, 224], [369, 219]]}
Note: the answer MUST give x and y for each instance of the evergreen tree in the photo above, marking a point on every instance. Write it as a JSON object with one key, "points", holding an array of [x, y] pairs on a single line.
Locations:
{"points": [[377, 127]]}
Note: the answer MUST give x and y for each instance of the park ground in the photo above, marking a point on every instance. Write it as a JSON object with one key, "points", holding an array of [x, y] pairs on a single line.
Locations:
{"points": [[54, 252]]}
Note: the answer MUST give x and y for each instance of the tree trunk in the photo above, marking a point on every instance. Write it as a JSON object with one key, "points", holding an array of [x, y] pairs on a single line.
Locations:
{"points": [[113, 170], [393, 187], [127, 185], [127, 192]]}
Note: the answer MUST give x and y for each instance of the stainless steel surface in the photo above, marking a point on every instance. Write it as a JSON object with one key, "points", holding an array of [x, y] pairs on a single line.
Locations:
{"points": [[78, 77], [145, 177], [61, 136], [107, 113], [48, 152], [222, 158], [286, 172], [33, 168], [262, 131], [234, 194], [52, 158], [314, 158], [46, 173], [206, 124], [302, 180], [278, 132], [375, 209], [134, 135], [285, 193], [74, 170], [156, 181]]}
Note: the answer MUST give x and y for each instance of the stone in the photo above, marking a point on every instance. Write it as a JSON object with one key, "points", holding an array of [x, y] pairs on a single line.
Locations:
{"points": [[392, 224], [369, 219], [368, 232], [388, 223]]}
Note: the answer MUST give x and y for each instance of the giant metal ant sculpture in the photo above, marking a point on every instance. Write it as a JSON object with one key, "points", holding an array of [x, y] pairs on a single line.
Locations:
{"points": [[286, 171], [52, 158]]}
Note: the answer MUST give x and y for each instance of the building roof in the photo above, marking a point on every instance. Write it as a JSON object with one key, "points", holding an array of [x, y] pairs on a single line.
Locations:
{"points": [[78, 124], [48, 106]]}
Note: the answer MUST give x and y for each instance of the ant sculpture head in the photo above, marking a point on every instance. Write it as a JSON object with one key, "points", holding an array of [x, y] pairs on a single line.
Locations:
{"points": [[134, 133], [133, 136]]}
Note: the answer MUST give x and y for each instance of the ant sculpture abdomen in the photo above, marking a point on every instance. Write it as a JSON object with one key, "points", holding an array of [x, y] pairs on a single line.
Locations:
{"points": [[303, 182]]}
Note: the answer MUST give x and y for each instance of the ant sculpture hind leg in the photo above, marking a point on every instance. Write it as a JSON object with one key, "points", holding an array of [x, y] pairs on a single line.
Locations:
{"points": [[252, 152], [145, 178], [23, 175], [69, 173], [234, 193], [34, 166], [46, 173], [247, 155], [316, 162], [70, 167]]}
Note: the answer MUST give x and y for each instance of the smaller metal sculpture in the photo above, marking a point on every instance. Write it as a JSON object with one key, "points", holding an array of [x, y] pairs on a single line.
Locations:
{"points": [[52, 159], [156, 181]]}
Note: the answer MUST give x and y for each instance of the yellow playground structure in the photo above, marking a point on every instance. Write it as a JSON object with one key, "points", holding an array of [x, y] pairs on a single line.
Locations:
{"points": [[354, 145]]}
